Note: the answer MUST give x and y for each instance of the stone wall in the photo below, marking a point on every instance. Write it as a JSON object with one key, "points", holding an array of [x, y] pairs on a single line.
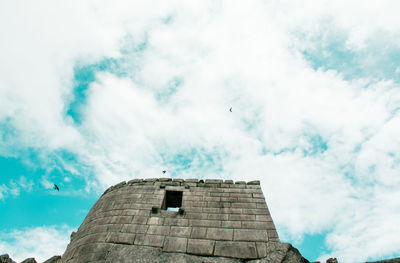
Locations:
{"points": [[217, 218]]}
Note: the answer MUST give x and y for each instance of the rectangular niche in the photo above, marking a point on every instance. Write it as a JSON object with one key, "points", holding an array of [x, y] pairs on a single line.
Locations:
{"points": [[172, 200]]}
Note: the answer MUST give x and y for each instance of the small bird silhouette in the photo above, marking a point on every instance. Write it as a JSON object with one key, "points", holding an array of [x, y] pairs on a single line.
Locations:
{"points": [[230, 109], [56, 187], [164, 171]]}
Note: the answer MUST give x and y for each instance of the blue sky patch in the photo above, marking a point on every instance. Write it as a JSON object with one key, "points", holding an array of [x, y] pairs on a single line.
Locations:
{"points": [[313, 246], [379, 60]]}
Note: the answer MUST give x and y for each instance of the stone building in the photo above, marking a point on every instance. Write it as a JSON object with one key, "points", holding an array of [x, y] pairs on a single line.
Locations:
{"points": [[176, 220]]}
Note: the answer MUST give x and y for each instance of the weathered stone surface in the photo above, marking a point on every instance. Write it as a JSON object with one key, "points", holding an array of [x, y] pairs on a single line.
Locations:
{"points": [[53, 259], [175, 244], [29, 260], [226, 221], [180, 231], [200, 247], [235, 249], [219, 234], [250, 235], [393, 260], [149, 240], [331, 260], [281, 253], [5, 258]]}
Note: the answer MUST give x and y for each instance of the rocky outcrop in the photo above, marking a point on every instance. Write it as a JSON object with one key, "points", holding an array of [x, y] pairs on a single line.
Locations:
{"points": [[393, 260], [29, 260], [6, 259], [54, 259], [281, 253]]}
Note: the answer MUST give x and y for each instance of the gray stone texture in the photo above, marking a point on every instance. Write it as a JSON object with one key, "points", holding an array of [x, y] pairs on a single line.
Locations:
{"points": [[224, 221], [5, 258], [54, 259]]}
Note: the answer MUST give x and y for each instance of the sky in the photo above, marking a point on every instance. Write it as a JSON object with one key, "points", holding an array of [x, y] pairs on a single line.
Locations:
{"points": [[93, 93]]}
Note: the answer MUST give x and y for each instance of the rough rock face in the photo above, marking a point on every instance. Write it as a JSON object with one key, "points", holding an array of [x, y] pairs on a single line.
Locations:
{"points": [[54, 259], [393, 260], [6, 259], [29, 260], [279, 253]]}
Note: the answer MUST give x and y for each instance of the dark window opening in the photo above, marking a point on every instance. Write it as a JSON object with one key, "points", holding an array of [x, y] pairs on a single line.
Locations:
{"points": [[172, 201]]}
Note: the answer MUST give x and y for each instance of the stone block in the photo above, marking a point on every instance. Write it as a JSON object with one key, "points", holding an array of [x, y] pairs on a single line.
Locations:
{"points": [[241, 195], [262, 205], [121, 220], [263, 218], [175, 244], [212, 185], [158, 230], [207, 223], [241, 186], [196, 215], [194, 209], [155, 221], [192, 198], [219, 234], [232, 224], [230, 249], [213, 181], [253, 186], [178, 231], [261, 249], [140, 220], [130, 212], [247, 200], [218, 216], [255, 211], [258, 225], [200, 247], [228, 182], [176, 222], [114, 228], [231, 210], [257, 182], [225, 204], [211, 210], [198, 232], [165, 179], [272, 233], [258, 196], [250, 235], [199, 203], [229, 199], [191, 180], [120, 238], [145, 213], [244, 205], [219, 194], [242, 217], [149, 240], [212, 198], [131, 228]]}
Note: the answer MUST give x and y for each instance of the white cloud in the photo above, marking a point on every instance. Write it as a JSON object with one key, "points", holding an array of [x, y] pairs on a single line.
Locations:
{"points": [[14, 187], [39, 242], [224, 54], [3, 191]]}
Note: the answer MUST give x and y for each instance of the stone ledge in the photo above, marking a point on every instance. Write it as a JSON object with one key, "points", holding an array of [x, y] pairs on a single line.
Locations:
{"points": [[181, 182]]}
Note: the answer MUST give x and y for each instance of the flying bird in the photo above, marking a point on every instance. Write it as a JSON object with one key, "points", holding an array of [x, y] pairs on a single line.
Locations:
{"points": [[230, 109], [164, 171], [56, 187]]}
